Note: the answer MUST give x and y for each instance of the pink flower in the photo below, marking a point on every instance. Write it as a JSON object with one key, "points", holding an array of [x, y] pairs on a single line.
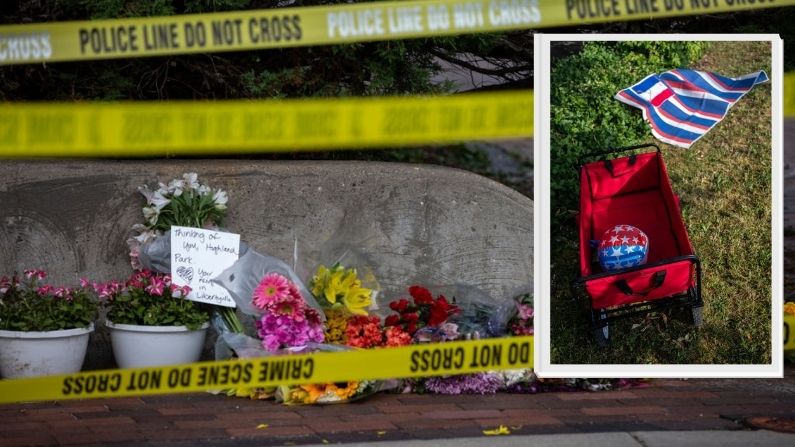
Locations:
{"points": [[156, 286], [273, 287], [288, 306], [525, 311], [108, 290], [34, 273], [178, 291], [140, 279], [45, 290], [281, 331], [294, 292], [448, 331], [5, 284]]}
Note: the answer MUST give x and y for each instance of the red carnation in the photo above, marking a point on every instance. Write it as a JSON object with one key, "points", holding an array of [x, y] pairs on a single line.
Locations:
{"points": [[411, 317], [364, 332], [438, 315], [399, 305], [392, 320], [421, 295], [411, 328], [395, 336]]}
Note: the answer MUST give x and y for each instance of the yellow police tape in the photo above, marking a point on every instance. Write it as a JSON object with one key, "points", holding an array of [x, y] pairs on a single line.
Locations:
{"points": [[328, 24], [789, 332], [387, 363], [158, 129]]}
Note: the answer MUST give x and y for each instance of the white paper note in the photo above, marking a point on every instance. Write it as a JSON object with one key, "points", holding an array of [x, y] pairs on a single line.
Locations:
{"points": [[198, 256]]}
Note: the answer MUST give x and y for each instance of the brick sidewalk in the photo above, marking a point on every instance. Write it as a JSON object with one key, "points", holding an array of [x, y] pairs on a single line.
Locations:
{"points": [[205, 419]]}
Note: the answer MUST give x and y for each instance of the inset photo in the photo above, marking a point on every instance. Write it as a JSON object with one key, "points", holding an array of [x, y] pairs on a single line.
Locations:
{"points": [[661, 188]]}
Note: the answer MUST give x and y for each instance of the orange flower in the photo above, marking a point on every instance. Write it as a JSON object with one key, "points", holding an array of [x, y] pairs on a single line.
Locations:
{"points": [[314, 392], [789, 308], [344, 393]]}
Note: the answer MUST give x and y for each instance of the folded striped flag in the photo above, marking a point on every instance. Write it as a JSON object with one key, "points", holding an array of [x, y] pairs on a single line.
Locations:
{"points": [[683, 105]]}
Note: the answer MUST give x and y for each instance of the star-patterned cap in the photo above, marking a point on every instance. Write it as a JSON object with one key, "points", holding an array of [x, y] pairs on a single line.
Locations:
{"points": [[623, 246]]}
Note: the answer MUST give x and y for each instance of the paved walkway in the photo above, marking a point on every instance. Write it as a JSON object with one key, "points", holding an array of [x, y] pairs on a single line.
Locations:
{"points": [[203, 419]]}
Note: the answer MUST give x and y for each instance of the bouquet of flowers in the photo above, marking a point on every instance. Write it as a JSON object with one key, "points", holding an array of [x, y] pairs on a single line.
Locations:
{"points": [[286, 320], [481, 315], [424, 311], [327, 393], [26, 304], [340, 288], [150, 299], [345, 301], [182, 202], [330, 393], [286, 324]]}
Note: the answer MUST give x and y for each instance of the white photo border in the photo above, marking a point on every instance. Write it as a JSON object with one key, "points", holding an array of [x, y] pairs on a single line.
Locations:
{"points": [[542, 361]]}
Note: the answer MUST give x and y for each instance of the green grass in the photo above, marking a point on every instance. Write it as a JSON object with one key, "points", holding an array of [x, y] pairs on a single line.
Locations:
{"points": [[725, 187]]}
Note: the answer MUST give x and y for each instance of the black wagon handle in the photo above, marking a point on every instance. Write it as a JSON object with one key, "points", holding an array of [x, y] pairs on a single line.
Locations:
{"points": [[598, 154], [657, 280]]}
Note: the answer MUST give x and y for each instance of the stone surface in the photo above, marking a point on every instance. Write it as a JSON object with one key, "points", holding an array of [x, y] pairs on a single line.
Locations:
{"points": [[410, 223]]}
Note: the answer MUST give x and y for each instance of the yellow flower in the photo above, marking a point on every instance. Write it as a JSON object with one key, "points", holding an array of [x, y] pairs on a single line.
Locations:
{"points": [[789, 308], [295, 395], [340, 285], [334, 288], [336, 322], [320, 280], [357, 299]]}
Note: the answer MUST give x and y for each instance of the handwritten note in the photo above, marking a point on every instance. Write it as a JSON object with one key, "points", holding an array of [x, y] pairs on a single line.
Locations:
{"points": [[198, 256]]}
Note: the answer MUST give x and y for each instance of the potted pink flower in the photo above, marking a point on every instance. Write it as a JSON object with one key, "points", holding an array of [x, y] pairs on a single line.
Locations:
{"points": [[151, 322], [44, 329]]}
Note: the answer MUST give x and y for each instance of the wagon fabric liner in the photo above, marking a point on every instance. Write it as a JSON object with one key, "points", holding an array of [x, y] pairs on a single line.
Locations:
{"points": [[635, 190]]}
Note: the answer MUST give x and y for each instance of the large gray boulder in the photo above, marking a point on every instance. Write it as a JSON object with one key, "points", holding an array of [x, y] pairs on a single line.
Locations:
{"points": [[411, 223]]}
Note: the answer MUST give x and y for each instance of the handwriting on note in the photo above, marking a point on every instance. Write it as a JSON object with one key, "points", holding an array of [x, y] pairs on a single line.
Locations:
{"points": [[198, 256]]}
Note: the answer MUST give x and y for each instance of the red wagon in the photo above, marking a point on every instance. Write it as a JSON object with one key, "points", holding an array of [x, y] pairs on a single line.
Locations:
{"points": [[635, 190]]}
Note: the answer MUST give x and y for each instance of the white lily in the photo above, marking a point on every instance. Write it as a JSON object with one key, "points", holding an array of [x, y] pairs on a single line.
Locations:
{"points": [[175, 187], [151, 214], [146, 192], [191, 180], [204, 190], [158, 200], [220, 198]]}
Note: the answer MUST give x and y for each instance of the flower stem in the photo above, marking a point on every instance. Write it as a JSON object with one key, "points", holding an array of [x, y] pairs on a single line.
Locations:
{"points": [[230, 317]]}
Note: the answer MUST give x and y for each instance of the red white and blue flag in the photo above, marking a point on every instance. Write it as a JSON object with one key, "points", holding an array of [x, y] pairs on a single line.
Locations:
{"points": [[683, 105]]}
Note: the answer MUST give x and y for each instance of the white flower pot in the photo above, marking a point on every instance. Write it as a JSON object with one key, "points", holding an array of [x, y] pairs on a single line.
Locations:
{"points": [[31, 354], [137, 346]]}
